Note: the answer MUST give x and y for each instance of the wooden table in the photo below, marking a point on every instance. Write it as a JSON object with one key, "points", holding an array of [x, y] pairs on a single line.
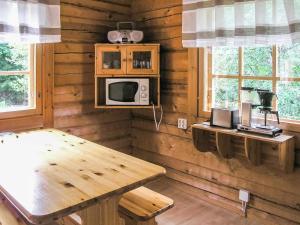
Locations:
{"points": [[48, 174]]}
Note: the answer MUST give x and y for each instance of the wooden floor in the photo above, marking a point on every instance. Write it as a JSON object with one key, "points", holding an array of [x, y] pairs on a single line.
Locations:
{"points": [[190, 210]]}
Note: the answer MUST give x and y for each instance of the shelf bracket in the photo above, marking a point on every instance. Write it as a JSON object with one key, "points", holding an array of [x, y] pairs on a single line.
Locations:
{"points": [[286, 155], [253, 151], [201, 139], [224, 147]]}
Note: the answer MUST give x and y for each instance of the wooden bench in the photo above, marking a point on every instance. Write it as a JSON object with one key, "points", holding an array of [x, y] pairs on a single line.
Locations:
{"points": [[8, 215], [140, 206], [136, 207]]}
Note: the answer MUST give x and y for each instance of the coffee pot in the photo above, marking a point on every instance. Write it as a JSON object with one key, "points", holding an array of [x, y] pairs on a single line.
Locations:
{"points": [[266, 98]]}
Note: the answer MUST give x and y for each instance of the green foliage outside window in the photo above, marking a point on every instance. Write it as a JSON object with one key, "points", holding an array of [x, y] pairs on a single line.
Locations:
{"points": [[225, 92], [258, 61], [289, 99], [226, 61], [289, 61], [14, 89]]}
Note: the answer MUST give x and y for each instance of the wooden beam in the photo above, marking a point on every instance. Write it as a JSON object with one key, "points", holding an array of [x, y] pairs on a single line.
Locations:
{"points": [[48, 84], [192, 83]]}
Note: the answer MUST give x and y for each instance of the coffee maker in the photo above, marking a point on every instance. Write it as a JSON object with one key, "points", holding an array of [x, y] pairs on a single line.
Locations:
{"points": [[262, 100]]}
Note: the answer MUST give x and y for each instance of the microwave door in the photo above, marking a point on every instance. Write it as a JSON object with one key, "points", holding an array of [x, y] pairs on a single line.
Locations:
{"points": [[123, 93]]}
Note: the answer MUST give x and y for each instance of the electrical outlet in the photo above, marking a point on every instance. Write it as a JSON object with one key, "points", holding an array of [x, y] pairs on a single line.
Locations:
{"points": [[182, 123], [244, 195]]}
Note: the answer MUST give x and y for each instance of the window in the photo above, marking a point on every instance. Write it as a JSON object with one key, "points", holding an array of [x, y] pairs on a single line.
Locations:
{"points": [[274, 68], [18, 81]]}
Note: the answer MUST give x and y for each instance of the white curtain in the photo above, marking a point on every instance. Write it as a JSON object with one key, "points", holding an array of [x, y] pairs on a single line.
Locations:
{"points": [[30, 21], [240, 22]]}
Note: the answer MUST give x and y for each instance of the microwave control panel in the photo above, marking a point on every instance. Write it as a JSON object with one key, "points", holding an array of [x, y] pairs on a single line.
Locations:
{"points": [[144, 91]]}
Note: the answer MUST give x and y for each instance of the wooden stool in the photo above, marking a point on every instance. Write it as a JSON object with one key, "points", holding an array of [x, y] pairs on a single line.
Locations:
{"points": [[8, 215], [136, 207], [140, 206]]}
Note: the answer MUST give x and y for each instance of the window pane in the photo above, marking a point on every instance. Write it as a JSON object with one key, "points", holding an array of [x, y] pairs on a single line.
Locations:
{"points": [[289, 100], [111, 60], [260, 84], [14, 92], [289, 60], [225, 92], [14, 57], [142, 59], [225, 61], [258, 61]]}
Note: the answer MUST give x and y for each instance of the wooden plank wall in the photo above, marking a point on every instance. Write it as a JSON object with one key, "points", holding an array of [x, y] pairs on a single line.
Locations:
{"points": [[275, 196], [84, 23]]}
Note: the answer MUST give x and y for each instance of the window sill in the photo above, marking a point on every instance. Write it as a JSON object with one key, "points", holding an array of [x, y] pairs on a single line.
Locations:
{"points": [[22, 123], [20, 113], [287, 125]]}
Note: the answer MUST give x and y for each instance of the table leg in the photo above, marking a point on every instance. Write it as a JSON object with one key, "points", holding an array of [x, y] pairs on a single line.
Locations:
{"points": [[103, 213]]}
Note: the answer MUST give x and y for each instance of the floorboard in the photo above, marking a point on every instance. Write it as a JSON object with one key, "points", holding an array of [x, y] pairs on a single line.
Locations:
{"points": [[190, 210]]}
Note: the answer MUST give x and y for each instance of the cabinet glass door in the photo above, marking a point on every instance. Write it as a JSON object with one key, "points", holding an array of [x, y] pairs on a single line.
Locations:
{"points": [[111, 60], [142, 60]]}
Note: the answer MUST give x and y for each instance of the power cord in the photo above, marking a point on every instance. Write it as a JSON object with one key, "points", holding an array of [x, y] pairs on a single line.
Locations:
{"points": [[244, 207], [157, 125]]}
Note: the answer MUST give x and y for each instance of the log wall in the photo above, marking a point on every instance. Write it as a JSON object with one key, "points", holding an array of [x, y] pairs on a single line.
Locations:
{"points": [[275, 196], [84, 23]]}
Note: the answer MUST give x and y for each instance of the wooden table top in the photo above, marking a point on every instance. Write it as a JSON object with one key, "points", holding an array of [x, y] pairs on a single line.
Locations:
{"points": [[48, 174]]}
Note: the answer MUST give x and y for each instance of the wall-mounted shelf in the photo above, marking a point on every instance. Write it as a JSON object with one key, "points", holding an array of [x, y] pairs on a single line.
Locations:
{"points": [[127, 61], [253, 145]]}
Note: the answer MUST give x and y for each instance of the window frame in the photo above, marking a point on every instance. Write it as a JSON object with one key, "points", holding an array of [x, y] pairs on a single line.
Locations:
{"points": [[42, 115], [35, 84], [200, 78]]}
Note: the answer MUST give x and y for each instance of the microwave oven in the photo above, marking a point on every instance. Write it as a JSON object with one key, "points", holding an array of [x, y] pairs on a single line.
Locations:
{"points": [[127, 91]]}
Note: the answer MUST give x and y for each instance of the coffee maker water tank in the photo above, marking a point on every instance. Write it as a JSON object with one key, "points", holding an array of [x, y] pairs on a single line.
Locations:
{"points": [[246, 116]]}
